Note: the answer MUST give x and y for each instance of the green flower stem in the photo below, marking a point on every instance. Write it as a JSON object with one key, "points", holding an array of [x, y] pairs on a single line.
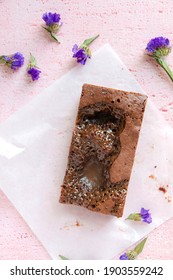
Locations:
{"points": [[51, 34], [165, 66]]}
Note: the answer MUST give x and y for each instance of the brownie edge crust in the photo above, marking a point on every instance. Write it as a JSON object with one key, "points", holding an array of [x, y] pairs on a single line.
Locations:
{"points": [[102, 149]]}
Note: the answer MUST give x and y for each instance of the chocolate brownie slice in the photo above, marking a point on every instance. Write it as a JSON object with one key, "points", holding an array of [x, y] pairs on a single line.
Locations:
{"points": [[103, 148]]}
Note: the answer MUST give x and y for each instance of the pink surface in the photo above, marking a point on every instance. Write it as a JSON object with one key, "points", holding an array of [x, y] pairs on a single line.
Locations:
{"points": [[127, 25]]}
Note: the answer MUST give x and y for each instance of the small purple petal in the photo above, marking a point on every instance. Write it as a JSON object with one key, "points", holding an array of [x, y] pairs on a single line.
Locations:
{"points": [[75, 48], [156, 43], [148, 220], [51, 18], [56, 18], [124, 257], [17, 60], [6, 58], [146, 216], [35, 73]]}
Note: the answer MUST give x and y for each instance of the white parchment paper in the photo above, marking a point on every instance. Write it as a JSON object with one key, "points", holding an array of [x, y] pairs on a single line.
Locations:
{"points": [[34, 145]]}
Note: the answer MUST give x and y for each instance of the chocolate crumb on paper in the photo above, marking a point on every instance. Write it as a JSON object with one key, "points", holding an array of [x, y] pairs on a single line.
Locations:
{"points": [[165, 189], [162, 189], [67, 227], [152, 177]]}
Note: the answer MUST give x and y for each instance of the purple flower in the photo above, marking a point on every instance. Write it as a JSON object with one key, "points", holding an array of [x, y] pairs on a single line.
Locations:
{"points": [[53, 24], [80, 54], [34, 72], [51, 18], [157, 43], [33, 69], [13, 61], [146, 216], [132, 254], [124, 257], [158, 48], [143, 216], [83, 52]]}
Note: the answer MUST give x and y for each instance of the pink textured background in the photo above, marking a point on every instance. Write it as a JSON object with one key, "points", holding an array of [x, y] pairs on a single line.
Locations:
{"points": [[127, 25]]}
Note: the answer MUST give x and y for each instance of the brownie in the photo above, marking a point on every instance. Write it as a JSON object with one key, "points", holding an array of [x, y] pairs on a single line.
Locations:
{"points": [[103, 148]]}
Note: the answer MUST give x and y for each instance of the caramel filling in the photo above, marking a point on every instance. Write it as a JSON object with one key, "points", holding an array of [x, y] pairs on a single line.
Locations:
{"points": [[92, 174]]}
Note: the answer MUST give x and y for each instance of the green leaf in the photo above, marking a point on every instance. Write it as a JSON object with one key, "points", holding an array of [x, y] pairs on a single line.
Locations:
{"points": [[139, 248], [134, 217], [32, 61], [132, 254], [2, 61], [63, 258], [87, 42]]}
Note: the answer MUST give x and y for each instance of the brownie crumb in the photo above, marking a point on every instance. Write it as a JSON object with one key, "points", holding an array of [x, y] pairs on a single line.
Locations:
{"points": [[162, 189], [152, 177], [77, 224]]}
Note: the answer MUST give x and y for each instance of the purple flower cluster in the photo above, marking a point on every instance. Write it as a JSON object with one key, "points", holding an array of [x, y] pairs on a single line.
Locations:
{"points": [[51, 18], [13, 61], [53, 24], [34, 72], [80, 54], [157, 43], [16, 60], [146, 216]]}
